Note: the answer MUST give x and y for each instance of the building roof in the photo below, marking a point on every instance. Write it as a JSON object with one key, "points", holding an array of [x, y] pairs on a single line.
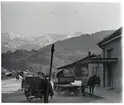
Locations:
{"points": [[72, 64], [117, 34]]}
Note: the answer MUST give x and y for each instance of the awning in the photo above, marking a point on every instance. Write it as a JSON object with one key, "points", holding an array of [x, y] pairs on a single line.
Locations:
{"points": [[101, 60]]}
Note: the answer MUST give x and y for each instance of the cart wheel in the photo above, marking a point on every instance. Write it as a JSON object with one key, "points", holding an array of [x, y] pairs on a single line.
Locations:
{"points": [[26, 93], [68, 92], [41, 97], [76, 92], [58, 90], [28, 99]]}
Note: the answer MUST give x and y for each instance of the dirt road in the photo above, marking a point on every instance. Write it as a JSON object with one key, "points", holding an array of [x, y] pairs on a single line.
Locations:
{"points": [[11, 93]]}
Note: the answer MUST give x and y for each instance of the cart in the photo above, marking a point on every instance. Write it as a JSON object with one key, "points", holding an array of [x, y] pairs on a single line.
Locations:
{"points": [[34, 87], [64, 84]]}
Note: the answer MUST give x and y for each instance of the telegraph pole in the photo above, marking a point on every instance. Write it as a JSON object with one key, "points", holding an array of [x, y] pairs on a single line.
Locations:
{"points": [[41, 68], [48, 85]]}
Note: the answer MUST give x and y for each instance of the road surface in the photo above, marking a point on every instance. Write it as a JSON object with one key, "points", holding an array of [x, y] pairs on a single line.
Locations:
{"points": [[10, 85], [11, 93]]}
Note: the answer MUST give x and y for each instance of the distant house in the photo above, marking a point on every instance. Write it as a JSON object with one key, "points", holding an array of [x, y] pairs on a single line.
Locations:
{"points": [[3, 71], [79, 68]]}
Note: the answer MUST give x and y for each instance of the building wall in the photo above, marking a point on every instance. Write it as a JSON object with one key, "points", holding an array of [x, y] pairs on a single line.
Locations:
{"points": [[116, 67], [80, 70], [75, 70], [78, 73], [69, 71]]}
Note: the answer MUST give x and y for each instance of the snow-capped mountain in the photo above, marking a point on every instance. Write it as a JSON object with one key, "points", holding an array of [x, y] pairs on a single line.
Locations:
{"points": [[11, 41], [12, 36], [49, 38]]}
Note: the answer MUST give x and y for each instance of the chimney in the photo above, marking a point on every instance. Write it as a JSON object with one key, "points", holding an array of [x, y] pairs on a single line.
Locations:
{"points": [[89, 53]]}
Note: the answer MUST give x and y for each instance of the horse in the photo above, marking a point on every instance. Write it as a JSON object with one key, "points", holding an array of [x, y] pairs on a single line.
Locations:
{"points": [[92, 81]]}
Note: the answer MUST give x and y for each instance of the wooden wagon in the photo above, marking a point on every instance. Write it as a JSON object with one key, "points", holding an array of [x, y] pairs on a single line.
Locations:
{"points": [[64, 84], [35, 87]]}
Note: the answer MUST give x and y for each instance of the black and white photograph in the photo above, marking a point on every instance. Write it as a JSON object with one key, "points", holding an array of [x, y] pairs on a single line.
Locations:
{"points": [[61, 52]]}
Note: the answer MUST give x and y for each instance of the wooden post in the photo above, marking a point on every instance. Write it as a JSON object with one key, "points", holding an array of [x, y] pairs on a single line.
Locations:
{"points": [[48, 85], [104, 67]]}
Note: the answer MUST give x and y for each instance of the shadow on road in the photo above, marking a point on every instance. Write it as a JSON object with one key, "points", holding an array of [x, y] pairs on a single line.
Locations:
{"points": [[19, 97]]}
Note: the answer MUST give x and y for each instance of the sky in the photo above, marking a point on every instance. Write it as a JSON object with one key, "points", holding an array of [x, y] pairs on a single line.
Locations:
{"points": [[39, 18]]}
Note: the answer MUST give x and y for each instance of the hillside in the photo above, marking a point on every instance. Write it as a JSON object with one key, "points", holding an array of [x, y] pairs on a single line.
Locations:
{"points": [[66, 51], [102, 34]]}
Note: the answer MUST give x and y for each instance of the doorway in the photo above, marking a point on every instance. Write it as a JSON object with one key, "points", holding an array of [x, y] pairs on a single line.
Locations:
{"points": [[110, 75]]}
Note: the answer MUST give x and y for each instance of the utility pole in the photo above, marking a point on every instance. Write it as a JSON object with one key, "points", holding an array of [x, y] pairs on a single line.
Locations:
{"points": [[48, 83], [41, 68]]}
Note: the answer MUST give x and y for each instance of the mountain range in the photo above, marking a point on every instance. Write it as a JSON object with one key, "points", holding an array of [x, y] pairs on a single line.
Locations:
{"points": [[68, 49], [11, 41]]}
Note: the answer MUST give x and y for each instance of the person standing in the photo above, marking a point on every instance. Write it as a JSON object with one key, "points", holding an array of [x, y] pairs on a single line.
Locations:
{"points": [[84, 84], [22, 84]]}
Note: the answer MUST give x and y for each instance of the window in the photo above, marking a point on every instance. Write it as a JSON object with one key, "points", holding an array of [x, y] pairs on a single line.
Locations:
{"points": [[84, 71], [109, 53], [95, 71]]}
